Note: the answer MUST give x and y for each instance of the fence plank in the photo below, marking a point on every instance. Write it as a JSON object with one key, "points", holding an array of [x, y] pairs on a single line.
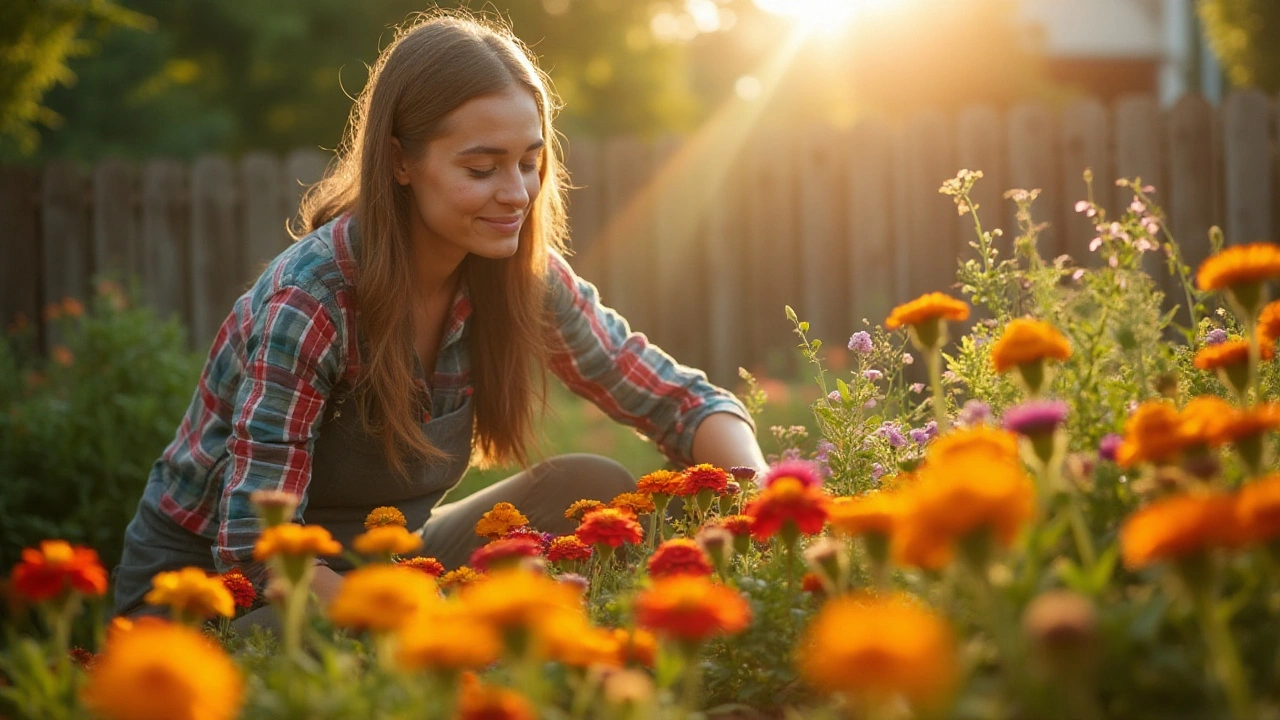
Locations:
{"points": [[1085, 144], [217, 247], [115, 219], [586, 199], [164, 241], [1246, 127], [1033, 163], [264, 211], [772, 276], [928, 237], [628, 164], [868, 227], [1190, 149], [65, 243], [721, 314], [679, 301], [823, 249], [1138, 133], [20, 274], [302, 169], [980, 145]]}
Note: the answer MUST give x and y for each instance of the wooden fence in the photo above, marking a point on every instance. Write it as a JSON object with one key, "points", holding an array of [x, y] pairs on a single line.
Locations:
{"points": [[699, 241]]}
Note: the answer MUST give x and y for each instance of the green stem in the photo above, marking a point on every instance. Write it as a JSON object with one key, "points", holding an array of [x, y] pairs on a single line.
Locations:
{"points": [[1255, 360], [1080, 531], [1224, 656], [933, 357]]}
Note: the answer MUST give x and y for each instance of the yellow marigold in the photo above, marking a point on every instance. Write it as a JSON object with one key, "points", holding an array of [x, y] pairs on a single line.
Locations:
{"points": [[691, 608], [932, 306], [979, 438], [519, 598], [879, 649], [1269, 324], [500, 520], [392, 539], [1025, 340], [447, 637], [865, 514], [1239, 264], [295, 540], [428, 565], [1177, 526], [580, 508], [1258, 509], [191, 593], [459, 578], [384, 516], [490, 702], [1227, 354], [971, 492], [381, 597], [569, 639], [163, 671], [1155, 433], [637, 502], [661, 482]]}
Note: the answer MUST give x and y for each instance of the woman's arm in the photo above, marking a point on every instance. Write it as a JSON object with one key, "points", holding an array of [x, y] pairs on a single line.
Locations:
{"points": [[726, 440]]}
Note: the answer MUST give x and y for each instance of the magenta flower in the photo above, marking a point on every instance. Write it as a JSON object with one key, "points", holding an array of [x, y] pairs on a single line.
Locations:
{"points": [[1108, 446], [804, 471], [1035, 417]]}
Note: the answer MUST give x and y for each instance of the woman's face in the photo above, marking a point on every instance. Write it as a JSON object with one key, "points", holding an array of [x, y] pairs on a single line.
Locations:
{"points": [[475, 184]]}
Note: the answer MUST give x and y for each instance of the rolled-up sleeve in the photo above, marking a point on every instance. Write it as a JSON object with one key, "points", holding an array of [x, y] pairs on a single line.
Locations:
{"points": [[292, 361], [595, 353]]}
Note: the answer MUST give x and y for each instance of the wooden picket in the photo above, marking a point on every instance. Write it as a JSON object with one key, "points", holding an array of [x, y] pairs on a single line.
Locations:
{"points": [[698, 241]]}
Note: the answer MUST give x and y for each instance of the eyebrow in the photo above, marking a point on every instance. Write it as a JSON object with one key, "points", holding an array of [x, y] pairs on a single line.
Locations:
{"points": [[486, 150]]}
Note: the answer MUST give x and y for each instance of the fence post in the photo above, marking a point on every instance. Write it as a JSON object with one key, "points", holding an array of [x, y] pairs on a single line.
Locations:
{"points": [[1085, 144], [1138, 133], [869, 227], [20, 275], [1033, 163], [1246, 144], [927, 238], [115, 219], [1192, 157], [823, 248], [264, 211], [164, 246], [65, 241], [217, 247]]}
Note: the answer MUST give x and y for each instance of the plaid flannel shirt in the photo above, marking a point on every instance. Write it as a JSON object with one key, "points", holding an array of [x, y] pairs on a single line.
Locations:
{"points": [[292, 338]]}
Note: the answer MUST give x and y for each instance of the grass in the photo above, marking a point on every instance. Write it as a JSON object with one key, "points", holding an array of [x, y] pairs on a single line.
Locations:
{"points": [[573, 425]]}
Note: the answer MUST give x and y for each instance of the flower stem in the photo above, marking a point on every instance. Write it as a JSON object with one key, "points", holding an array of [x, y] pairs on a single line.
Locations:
{"points": [[1080, 531], [934, 359], [1224, 655]]}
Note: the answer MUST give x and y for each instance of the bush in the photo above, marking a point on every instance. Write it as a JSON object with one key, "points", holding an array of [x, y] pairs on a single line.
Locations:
{"points": [[83, 424]]}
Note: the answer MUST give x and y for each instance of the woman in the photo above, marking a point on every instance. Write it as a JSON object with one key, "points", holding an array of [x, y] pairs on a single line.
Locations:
{"points": [[433, 243]]}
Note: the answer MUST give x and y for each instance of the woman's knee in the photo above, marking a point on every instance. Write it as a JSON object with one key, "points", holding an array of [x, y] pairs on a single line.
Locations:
{"points": [[583, 476]]}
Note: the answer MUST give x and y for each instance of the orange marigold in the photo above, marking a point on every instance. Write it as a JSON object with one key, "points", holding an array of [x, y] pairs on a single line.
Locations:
{"points": [[932, 306], [381, 597], [428, 565], [515, 597], [1258, 509], [1238, 425], [787, 503], [500, 520], [660, 482], [636, 647], [879, 648], [242, 591], [1177, 526], [569, 639], [637, 502], [568, 548], [1229, 353], [295, 540], [163, 671], [1026, 340], [459, 578], [609, 526], [57, 566], [72, 307], [691, 609], [445, 636], [1155, 432], [191, 593], [387, 539], [580, 508], [383, 516], [739, 525], [490, 702], [679, 556], [979, 438], [703, 477], [865, 514], [62, 355], [1239, 264], [1269, 324]]}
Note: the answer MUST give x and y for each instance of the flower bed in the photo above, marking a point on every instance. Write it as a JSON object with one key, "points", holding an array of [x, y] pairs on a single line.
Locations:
{"points": [[1075, 517]]}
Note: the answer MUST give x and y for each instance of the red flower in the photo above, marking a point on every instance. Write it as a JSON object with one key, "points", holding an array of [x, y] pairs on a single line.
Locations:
{"points": [[691, 608], [504, 551], [568, 548], [679, 556], [787, 500], [801, 470], [610, 526], [45, 573], [703, 477], [524, 531], [241, 589], [428, 565], [739, 525], [812, 584]]}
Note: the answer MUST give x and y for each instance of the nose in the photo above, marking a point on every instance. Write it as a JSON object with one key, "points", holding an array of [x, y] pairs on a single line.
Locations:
{"points": [[513, 192]]}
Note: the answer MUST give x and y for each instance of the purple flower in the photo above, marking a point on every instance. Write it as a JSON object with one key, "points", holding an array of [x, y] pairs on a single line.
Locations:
{"points": [[1035, 417], [802, 470], [907, 359], [1216, 336], [860, 342], [877, 471], [974, 412], [869, 404], [1108, 446], [834, 396], [872, 374], [742, 472], [822, 455], [917, 387], [889, 431], [924, 434], [790, 454]]}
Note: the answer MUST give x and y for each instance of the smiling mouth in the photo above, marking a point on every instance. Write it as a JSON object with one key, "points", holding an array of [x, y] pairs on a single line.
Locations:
{"points": [[504, 224]]}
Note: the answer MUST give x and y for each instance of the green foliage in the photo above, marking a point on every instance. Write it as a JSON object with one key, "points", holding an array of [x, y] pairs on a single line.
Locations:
{"points": [[1243, 35], [82, 426], [37, 40]]}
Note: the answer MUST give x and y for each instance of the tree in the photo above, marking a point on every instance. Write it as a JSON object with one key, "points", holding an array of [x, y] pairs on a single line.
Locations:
{"points": [[1245, 35]]}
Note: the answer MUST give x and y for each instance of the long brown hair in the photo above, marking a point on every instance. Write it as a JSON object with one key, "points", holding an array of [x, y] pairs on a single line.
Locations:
{"points": [[437, 62]]}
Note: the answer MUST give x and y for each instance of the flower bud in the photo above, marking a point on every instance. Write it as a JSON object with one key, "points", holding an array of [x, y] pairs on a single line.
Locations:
{"points": [[828, 560], [1062, 628], [275, 507]]}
